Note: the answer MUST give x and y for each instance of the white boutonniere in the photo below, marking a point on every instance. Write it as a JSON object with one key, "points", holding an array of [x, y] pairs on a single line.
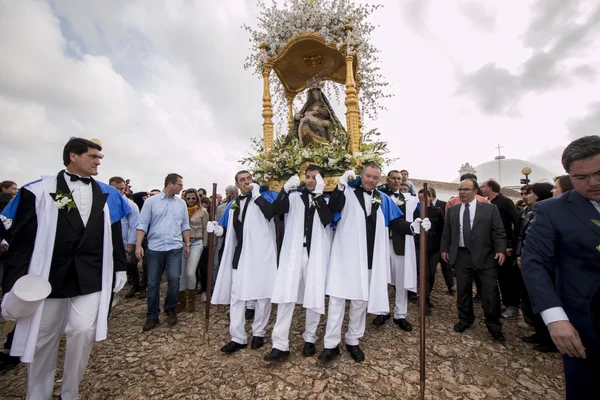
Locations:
{"points": [[400, 201], [313, 202], [63, 200], [376, 198]]}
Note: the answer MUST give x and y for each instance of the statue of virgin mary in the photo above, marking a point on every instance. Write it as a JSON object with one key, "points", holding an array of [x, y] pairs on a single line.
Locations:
{"points": [[316, 120]]}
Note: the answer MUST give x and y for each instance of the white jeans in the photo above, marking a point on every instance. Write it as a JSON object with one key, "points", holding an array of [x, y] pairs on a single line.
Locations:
{"points": [[237, 317], [76, 317], [335, 316], [187, 278], [281, 330], [401, 304]]}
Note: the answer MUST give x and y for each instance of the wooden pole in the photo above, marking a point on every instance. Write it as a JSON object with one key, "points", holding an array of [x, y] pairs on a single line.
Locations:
{"points": [[211, 245], [423, 289]]}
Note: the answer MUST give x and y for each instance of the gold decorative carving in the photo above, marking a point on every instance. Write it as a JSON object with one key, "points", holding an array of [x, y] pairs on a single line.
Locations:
{"points": [[267, 111], [330, 183], [291, 66], [313, 61], [352, 109]]}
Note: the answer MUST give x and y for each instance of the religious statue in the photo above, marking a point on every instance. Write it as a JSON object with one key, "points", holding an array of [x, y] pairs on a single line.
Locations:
{"points": [[316, 120]]}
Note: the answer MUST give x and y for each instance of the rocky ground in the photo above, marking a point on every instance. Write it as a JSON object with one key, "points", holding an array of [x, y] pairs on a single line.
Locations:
{"points": [[185, 363]]}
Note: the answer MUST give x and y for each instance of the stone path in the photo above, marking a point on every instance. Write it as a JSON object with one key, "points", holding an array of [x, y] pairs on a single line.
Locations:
{"points": [[183, 363]]}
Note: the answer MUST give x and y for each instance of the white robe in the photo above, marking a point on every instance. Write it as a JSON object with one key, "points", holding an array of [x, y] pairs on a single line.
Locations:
{"points": [[348, 274], [288, 288], [27, 329], [410, 254], [258, 261]]}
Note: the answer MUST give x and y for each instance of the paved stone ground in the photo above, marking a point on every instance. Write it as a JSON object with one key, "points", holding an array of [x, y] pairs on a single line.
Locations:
{"points": [[182, 363]]}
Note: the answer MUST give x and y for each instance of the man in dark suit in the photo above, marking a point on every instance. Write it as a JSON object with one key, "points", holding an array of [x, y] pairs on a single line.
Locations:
{"points": [[447, 271], [474, 242], [561, 267], [63, 226]]}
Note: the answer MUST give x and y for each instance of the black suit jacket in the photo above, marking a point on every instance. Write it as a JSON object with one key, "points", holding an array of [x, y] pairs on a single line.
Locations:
{"points": [[434, 235], [76, 265], [398, 239], [441, 205], [487, 235]]}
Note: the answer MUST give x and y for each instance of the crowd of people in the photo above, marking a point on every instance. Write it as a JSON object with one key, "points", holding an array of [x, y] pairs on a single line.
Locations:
{"points": [[537, 258]]}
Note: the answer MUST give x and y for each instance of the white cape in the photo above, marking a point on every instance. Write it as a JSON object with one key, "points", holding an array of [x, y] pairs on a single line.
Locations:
{"points": [[348, 274], [258, 261], [410, 254], [27, 329], [288, 282]]}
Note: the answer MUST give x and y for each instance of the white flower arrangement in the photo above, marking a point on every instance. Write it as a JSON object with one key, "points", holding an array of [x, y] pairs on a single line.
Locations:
{"points": [[64, 200], [341, 23], [376, 198]]}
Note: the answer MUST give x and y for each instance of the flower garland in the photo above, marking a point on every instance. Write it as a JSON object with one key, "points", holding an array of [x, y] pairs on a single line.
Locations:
{"points": [[287, 155], [341, 23]]}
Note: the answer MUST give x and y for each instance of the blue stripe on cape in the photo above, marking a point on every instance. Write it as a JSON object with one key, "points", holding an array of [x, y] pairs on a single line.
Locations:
{"points": [[116, 203], [268, 194]]}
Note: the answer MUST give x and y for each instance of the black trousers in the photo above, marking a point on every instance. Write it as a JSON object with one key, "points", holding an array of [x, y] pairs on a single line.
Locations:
{"points": [[133, 274], [509, 278], [465, 271], [582, 375], [202, 270], [534, 319], [448, 273], [432, 262]]}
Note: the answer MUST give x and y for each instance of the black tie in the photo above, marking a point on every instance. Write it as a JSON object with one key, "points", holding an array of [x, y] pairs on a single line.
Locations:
{"points": [[467, 227], [79, 178], [242, 197], [369, 192]]}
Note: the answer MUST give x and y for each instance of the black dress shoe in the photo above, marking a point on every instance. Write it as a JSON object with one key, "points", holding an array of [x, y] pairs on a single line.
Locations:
{"points": [[232, 347], [460, 327], [276, 355], [309, 349], [498, 337], [150, 324], [451, 290], [533, 339], [412, 296], [257, 342], [403, 324], [380, 320], [8, 362], [328, 355], [545, 348], [171, 317], [356, 353], [249, 314], [477, 299]]}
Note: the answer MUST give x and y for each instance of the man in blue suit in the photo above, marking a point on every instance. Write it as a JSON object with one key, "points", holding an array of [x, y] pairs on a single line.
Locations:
{"points": [[561, 267]]}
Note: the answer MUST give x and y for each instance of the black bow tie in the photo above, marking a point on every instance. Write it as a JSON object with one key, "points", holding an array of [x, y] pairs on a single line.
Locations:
{"points": [[369, 192], [79, 178], [396, 194], [245, 196]]}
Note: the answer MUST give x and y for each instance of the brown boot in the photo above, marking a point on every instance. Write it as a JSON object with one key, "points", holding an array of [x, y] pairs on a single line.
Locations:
{"points": [[181, 302], [191, 300]]}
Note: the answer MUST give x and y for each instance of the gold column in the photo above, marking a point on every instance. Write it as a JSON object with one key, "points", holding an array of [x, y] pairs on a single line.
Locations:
{"points": [[352, 110], [267, 112], [290, 100]]}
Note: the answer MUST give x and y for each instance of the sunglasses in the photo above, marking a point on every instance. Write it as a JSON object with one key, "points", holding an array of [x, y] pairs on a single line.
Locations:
{"points": [[190, 198]]}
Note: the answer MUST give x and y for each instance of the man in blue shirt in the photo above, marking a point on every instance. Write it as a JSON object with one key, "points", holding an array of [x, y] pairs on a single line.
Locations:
{"points": [[164, 219]]}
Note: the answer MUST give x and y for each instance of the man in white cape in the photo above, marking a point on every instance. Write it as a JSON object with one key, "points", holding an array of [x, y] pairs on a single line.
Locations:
{"points": [[66, 228], [303, 260], [249, 262], [403, 256], [359, 261]]}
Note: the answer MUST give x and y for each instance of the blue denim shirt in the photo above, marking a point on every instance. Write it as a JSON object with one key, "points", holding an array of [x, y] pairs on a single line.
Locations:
{"points": [[164, 219], [129, 223]]}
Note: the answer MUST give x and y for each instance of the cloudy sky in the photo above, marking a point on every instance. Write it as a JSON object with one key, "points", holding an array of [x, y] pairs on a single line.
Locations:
{"points": [[162, 84]]}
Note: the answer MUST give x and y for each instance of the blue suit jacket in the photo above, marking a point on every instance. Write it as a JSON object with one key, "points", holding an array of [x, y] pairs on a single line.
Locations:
{"points": [[561, 243]]}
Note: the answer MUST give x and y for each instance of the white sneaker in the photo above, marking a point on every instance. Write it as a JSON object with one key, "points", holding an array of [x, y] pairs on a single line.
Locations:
{"points": [[203, 297]]}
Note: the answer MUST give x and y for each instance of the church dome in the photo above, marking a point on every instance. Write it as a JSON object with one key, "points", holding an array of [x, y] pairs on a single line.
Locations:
{"points": [[507, 171]]}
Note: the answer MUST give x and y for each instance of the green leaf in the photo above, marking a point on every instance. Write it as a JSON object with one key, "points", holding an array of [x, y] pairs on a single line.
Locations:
{"points": [[595, 221]]}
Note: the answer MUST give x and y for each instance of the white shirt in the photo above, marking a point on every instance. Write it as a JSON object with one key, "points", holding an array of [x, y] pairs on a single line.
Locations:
{"points": [[368, 202], [82, 195], [558, 313], [472, 206], [242, 205]]}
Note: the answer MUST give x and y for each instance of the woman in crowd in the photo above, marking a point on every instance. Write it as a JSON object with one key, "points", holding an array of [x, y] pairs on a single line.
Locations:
{"points": [[202, 271], [541, 339], [562, 184], [198, 237]]}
